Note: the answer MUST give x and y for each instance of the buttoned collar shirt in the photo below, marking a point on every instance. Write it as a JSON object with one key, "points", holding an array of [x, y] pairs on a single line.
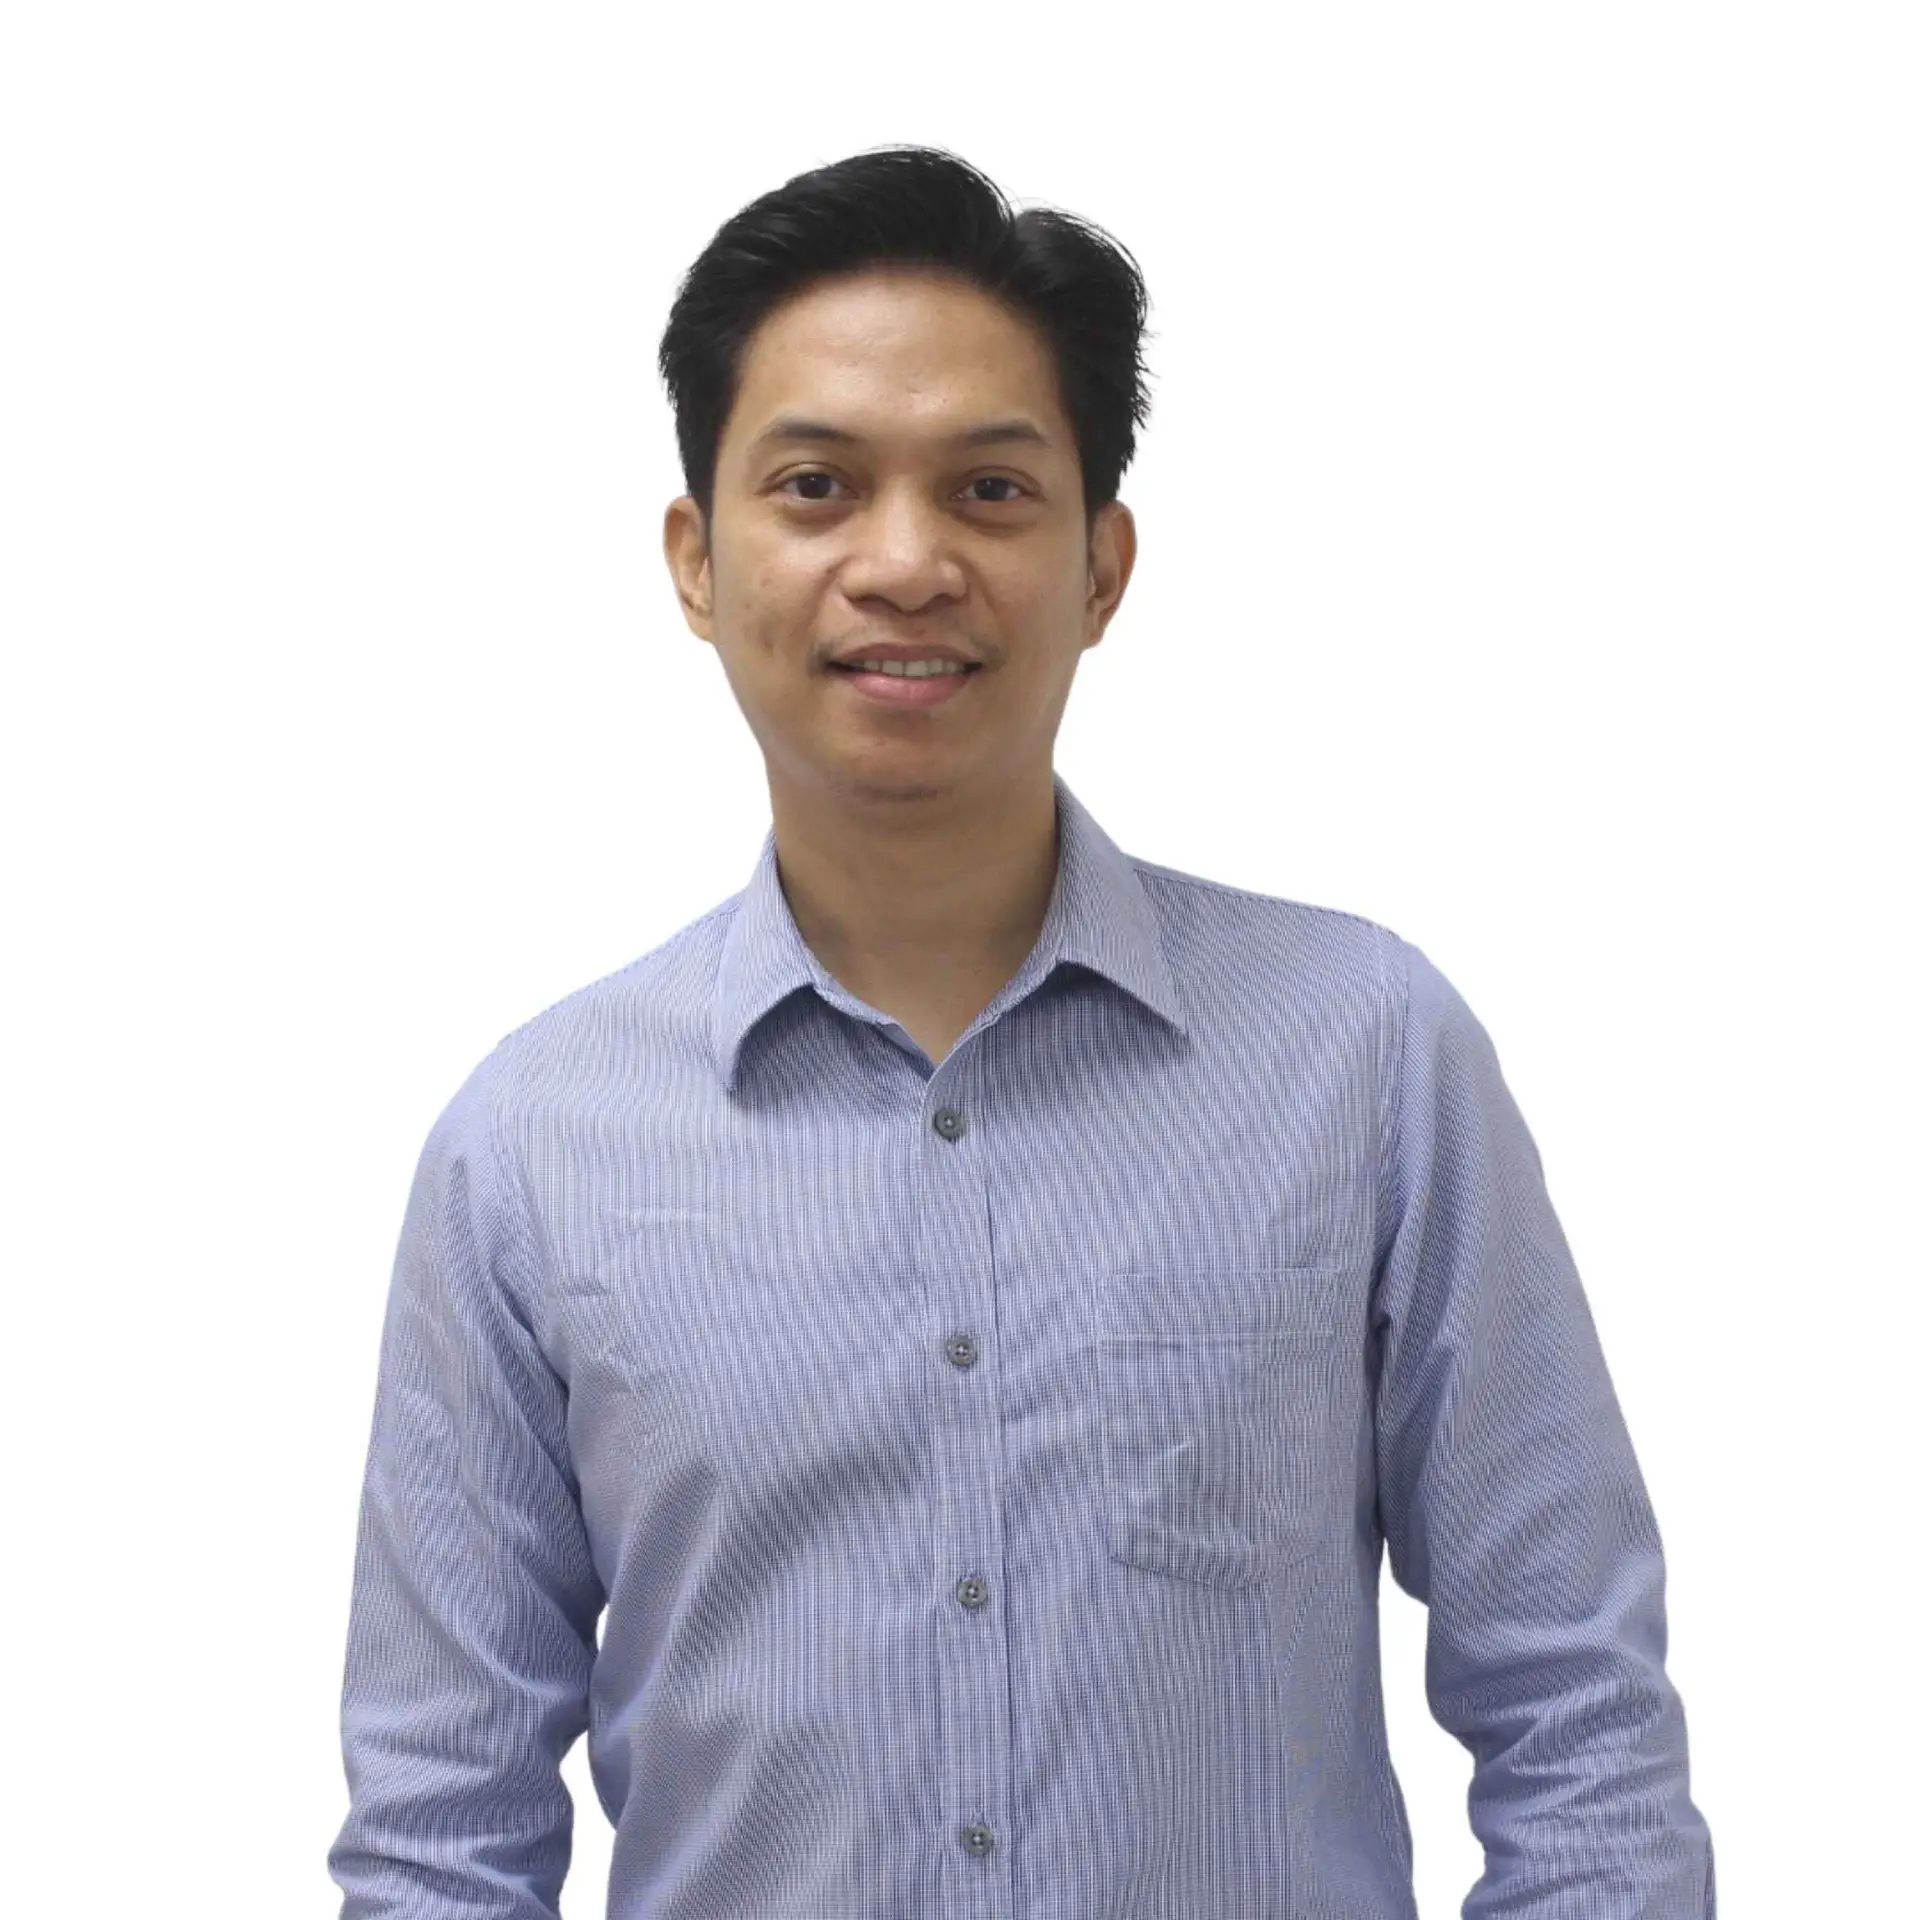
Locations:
{"points": [[957, 1490]]}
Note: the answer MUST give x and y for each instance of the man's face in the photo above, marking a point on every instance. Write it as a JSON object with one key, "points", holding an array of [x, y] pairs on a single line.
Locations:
{"points": [[903, 532]]}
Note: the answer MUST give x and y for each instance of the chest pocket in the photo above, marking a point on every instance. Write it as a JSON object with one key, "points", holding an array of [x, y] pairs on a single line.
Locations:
{"points": [[1220, 1414]]}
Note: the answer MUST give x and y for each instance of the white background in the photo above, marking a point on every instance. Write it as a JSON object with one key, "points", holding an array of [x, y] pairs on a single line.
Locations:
{"points": [[1527, 561]]}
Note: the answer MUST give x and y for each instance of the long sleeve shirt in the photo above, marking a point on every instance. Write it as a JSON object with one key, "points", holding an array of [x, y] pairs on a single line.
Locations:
{"points": [[957, 1490]]}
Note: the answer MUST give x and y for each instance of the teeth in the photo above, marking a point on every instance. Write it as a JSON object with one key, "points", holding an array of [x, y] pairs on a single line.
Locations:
{"points": [[909, 669]]}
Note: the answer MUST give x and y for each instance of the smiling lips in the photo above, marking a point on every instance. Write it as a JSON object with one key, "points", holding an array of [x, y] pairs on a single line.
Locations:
{"points": [[906, 683]]}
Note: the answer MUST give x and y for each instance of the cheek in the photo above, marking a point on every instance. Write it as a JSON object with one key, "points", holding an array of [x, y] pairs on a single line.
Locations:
{"points": [[750, 577], [746, 588], [1057, 601], [769, 612]]}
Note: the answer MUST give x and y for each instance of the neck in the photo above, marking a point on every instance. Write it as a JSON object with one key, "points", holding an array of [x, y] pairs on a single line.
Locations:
{"points": [[930, 903]]}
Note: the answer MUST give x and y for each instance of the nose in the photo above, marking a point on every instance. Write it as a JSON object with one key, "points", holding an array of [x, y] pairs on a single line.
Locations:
{"points": [[902, 552]]}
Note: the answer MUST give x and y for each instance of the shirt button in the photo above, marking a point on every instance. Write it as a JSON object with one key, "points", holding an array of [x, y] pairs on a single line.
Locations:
{"points": [[972, 1591], [961, 1349], [950, 1123], [977, 1840]]}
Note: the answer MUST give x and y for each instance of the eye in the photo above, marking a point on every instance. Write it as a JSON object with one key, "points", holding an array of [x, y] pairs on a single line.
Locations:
{"points": [[810, 474], [981, 479]]}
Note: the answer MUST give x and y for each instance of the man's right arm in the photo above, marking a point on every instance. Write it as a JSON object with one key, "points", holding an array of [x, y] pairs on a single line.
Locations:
{"points": [[470, 1641]]}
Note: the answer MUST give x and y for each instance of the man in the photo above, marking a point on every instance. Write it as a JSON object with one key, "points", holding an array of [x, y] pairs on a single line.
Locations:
{"points": [[973, 1306]]}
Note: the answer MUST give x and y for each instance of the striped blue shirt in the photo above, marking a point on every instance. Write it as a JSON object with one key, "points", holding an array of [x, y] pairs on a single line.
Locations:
{"points": [[976, 1473]]}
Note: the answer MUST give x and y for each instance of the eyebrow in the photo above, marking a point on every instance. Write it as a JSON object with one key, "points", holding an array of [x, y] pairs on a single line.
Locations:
{"points": [[787, 427]]}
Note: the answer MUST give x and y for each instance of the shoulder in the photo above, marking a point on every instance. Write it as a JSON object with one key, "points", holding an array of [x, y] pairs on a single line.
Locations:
{"points": [[632, 1022], [1209, 924], [1325, 964]]}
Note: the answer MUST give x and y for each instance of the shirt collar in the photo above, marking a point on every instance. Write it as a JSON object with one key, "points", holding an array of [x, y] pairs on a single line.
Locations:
{"points": [[1098, 916]]}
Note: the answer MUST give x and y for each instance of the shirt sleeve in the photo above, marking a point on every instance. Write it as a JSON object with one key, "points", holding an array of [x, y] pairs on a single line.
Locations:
{"points": [[1512, 1503], [470, 1640]]}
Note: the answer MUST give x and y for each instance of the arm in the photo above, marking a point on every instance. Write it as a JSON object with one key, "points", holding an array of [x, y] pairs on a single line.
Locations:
{"points": [[470, 1641], [1512, 1502]]}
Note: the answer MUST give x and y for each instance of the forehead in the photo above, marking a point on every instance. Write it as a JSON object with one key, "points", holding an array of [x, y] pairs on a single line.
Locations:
{"points": [[895, 352]]}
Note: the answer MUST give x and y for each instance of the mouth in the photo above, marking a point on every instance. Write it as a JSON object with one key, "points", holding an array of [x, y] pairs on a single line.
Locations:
{"points": [[918, 688]]}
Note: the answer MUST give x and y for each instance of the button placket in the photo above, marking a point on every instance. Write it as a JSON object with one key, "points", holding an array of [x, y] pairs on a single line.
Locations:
{"points": [[958, 1258]]}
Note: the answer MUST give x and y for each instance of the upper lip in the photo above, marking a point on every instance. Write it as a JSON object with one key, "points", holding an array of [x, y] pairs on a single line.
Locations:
{"points": [[903, 650]]}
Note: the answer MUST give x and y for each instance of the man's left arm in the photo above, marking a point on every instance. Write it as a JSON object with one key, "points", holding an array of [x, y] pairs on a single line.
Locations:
{"points": [[1511, 1500]]}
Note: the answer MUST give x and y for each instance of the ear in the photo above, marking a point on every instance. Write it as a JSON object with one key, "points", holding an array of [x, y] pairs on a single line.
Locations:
{"points": [[690, 562], [1111, 547]]}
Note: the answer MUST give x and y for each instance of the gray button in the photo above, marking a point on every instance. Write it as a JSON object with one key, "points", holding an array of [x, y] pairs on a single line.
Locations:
{"points": [[972, 1591], [950, 1123], [977, 1840], [961, 1349]]}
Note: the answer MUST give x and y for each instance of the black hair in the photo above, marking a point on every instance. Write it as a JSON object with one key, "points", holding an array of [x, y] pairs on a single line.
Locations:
{"points": [[914, 207]]}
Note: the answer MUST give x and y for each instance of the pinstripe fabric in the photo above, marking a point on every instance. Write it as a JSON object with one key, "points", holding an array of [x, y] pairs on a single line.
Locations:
{"points": [[984, 1468]]}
